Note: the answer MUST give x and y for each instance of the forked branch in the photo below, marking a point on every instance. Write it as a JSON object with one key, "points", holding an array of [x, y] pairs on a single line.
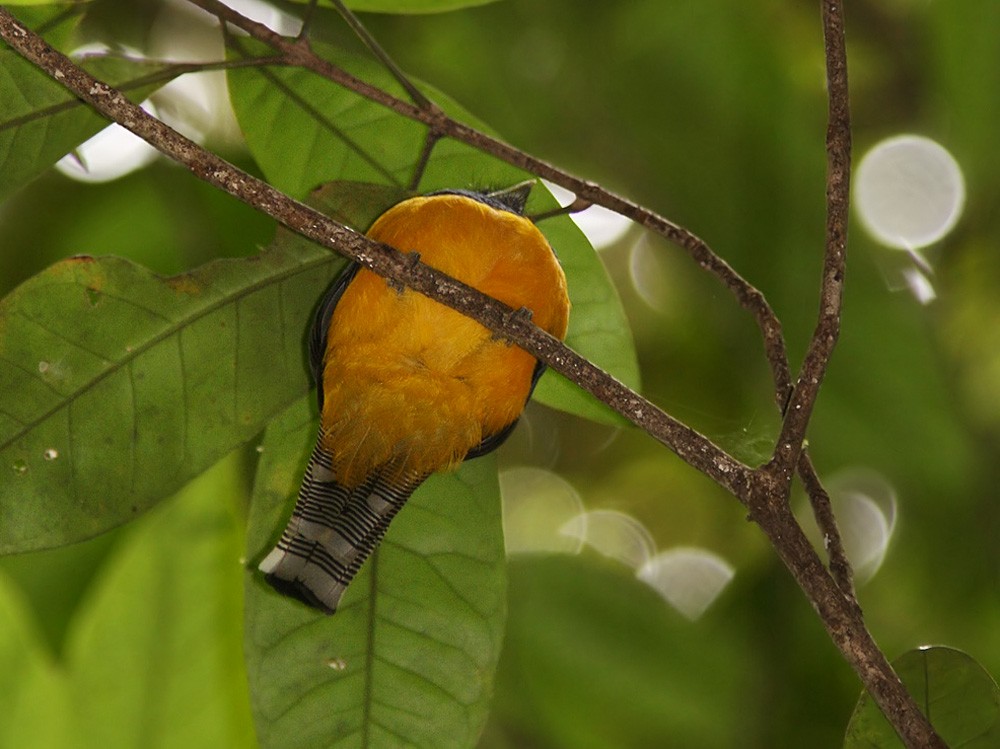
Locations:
{"points": [[765, 491]]}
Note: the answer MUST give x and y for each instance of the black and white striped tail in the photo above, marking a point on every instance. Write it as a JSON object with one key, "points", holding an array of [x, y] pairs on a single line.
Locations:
{"points": [[332, 531]]}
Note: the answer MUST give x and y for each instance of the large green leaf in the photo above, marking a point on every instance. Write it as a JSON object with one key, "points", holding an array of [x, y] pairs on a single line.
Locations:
{"points": [[957, 694], [343, 136], [118, 385], [594, 658], [34, 696], [409, 658], [40, 121], [154, 655]]}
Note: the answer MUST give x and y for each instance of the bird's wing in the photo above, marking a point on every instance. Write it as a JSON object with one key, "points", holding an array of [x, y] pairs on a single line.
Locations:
{"points": [[321, 324]]}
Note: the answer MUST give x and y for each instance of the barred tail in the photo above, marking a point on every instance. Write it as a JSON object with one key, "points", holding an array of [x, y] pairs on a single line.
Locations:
{"points": [[332, 531]]}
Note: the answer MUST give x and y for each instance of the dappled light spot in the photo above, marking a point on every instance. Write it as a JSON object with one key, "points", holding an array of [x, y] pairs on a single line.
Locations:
{"points": [[919, 285], [112, 153], [613, 534], [648, 272], [537, 504], [909, 192], [337, 664], [864, 504], [687, 578], [601, 226], [266, 14]]}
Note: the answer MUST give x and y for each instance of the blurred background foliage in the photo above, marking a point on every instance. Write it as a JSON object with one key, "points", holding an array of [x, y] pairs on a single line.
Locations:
{"points": [[712, 113]]}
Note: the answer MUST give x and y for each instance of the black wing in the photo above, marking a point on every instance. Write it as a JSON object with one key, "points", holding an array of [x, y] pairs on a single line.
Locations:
{"points": [[321, 324]]}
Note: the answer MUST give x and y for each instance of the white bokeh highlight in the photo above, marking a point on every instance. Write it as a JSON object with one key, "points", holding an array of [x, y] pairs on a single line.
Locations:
{"points": [[264, 13], [614, 534], [865, 506], [649, 274], [109, 155], [537, 504], [543, 514], [601, 226], [909, 192], [689, 579]]}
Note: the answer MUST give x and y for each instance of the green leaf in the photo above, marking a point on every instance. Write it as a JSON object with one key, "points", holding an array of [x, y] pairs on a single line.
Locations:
{"points": [[338, 135], [598, 327], [957, 694], [120, 385], [34, 695], [155, 653], [594, 658], [343, 136], [40, 121], [412, 6], [409, 658]]}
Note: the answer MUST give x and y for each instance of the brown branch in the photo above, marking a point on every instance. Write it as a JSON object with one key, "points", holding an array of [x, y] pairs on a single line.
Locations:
{"points": [[841, 616], [838, 184], [691, 446], [834, 602], [819, 500], [765, 491], [297, 52]]}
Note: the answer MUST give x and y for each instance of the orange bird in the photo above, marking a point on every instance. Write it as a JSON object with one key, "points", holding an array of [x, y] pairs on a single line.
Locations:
{"points": [[408, 386]]}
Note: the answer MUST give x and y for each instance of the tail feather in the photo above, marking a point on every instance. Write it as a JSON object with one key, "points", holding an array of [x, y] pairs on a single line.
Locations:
{"points": [[332, 531]]}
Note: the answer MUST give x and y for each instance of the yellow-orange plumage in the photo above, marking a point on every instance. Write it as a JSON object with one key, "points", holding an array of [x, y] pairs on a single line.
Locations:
{"points": [[408, 386], [410, 381]]}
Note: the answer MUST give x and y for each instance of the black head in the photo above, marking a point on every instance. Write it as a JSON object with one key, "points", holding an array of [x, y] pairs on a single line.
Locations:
{"points": [[511, 199]]}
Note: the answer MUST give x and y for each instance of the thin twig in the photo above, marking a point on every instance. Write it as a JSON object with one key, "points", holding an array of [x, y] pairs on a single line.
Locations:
{"points": [[765, 490], [691, 446], [819, 500], [430, 140], [168, 73], [838, 181], [841, 616], [307, 18], [383, 57], [833, 601], [297, 53]]}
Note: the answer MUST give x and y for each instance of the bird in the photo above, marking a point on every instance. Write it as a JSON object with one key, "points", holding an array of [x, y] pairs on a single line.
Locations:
{"points": [[407, 386]]}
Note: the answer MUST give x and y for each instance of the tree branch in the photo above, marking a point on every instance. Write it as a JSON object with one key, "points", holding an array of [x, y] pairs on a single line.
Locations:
{"points": [[691, 446], [765, 491], [298, 53], [838, 192]]}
